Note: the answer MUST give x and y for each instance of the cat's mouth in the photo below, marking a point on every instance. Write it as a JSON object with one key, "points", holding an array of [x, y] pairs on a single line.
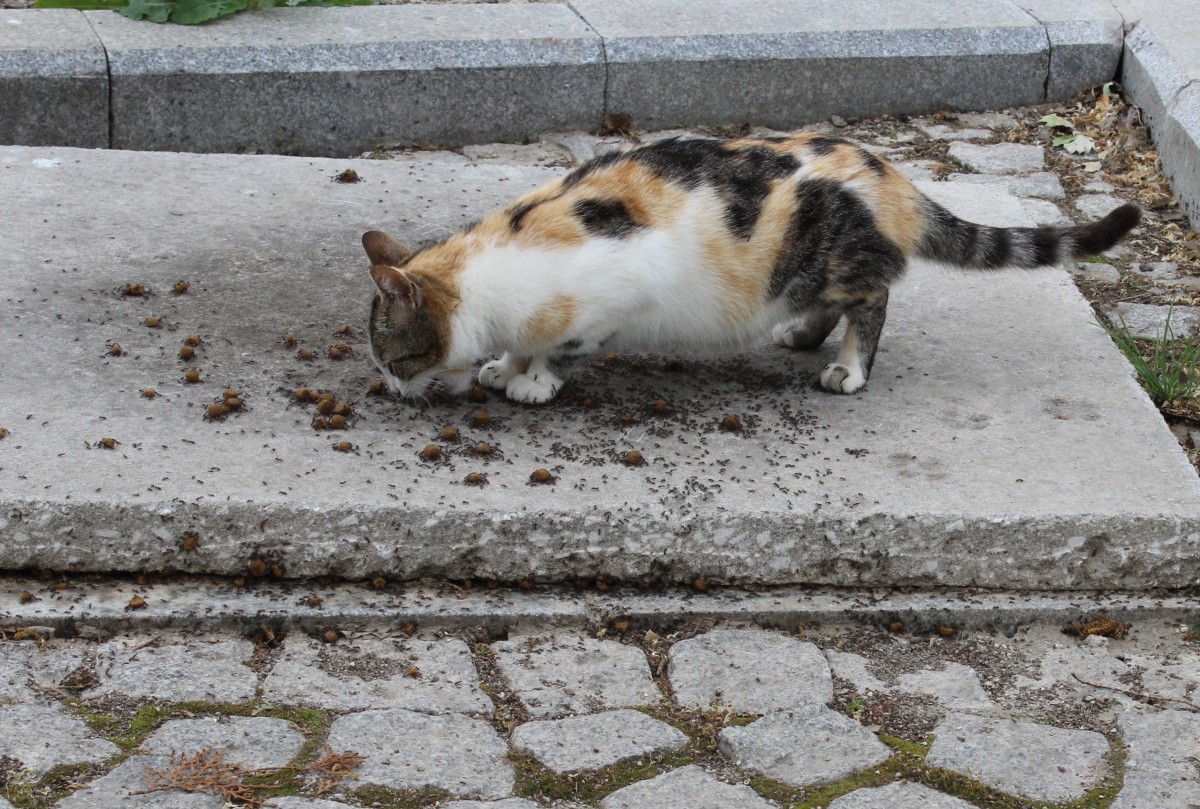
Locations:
{"points": [[424, 387]]}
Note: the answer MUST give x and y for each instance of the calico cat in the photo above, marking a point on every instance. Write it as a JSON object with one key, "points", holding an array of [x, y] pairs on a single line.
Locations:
{"points": [[683, 243]]}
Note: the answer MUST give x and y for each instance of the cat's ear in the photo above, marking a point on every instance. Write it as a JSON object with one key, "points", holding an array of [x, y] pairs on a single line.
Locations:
{"points": [[385, 250], [398, 286]]}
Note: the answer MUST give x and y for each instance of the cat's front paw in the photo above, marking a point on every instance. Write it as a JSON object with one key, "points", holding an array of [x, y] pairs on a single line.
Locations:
{"points": [[784, 335], [497, 374], [837, 378], [533, 389]]}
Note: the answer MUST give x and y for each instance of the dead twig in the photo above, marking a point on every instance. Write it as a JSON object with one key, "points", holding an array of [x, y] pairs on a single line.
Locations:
{"points": [[1140, 697]]}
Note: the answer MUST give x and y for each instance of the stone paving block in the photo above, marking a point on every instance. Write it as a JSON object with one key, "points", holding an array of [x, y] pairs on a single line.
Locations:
{"points": [[1026, 759], [557, 675], [956, 686], [1085, 43], [292, 802], [1157, 790], [1105, 273], [53, 80], [1179, 144], [1096, 206], [751, 671], [427, 676], [685, 788], [42, 737], [250, 742], [1155, 270], [544, 153], [807, 746], [902, 795], [509, 803], [1168, 741], [990, 120], [1045, 212], [1041, 184], [205, 671], [302, 80], [997, 208], [853, 668], [22, 661], [999, 158], [409, 750], [596, 740], [779, 63], [5, 804], [944, 132], [1150, 321]]}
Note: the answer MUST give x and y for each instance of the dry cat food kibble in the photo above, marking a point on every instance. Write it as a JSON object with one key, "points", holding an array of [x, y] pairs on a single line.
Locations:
{"points": [[481, 418], [431, 452], [3, 432], [217, 410], [325, 404], [190, 542], [475, 479], [347, 176], [192, 375], [186, 352], [477, 395], [229, 393], [314, 601], [181, 287], [153, 322], [541, 476], [306, 395], [379, 582], [449, 434], [337, 422], [320, 424], [335, 353], [234, 404], [376, 388], [661, 406], [344, 330], [483, 448], [258, 568], [289, 340], [115, 350], [731, 424], [134, 290], [305, 354], [633, 458], [330, 636], [137, 603], [344, 446], [192, 340], [107, 443]]}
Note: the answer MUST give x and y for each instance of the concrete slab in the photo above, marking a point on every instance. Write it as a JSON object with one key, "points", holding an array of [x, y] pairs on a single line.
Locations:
{"points": [[307, 81], [53, 79], [980, 455], [1085, 43], [782, 63]]}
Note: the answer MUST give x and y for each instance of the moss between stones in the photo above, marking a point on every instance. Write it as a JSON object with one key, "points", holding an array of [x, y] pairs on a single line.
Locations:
{"points": [[385, 798]]}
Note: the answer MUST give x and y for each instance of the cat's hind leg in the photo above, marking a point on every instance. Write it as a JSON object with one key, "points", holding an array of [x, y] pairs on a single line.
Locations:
{"points": [[857, 355], [809, 330], [537, 384], [498, 373]]}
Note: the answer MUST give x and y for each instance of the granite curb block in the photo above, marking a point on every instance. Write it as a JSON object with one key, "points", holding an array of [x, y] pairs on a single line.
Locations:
{"points": [[342, 81]]}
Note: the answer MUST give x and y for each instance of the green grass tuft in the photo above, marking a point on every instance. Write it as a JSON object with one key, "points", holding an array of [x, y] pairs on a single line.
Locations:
{"points": [[1166, 367]]}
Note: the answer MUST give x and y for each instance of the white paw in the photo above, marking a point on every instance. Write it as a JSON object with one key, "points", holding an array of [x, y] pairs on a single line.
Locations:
{"points": [[496, 374], [533, 389], [837, 378], [784, 334]]}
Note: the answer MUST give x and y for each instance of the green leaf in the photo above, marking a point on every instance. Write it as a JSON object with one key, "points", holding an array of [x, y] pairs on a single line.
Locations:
{"points": [[1081, 144], [1063, 140], [1055, 121], [152, 10], [193, 12]]}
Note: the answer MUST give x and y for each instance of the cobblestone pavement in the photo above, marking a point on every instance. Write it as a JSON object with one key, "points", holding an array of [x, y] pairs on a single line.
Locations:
{"points": [[621, 714]]}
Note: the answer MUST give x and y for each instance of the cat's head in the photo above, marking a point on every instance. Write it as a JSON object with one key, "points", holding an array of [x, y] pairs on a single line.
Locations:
{"points": [[410, 320]]}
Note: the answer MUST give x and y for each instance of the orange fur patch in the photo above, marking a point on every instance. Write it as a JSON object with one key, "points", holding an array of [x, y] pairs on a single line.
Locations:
{"points": [[549, 322]]}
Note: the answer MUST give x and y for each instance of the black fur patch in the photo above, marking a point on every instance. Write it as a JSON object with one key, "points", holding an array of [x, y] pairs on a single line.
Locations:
{"points": [[873, 162], [517, 215], [606, 217], [591, 167], [832, 240], [741, 175], [822, 145], [1045, 246]]}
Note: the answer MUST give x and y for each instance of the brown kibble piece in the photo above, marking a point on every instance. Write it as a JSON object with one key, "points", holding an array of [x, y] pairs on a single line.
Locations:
{"points": [[1103, 626], [541, 476], [229, 393], [3, 432], [218, 410], [108, 443], [289, 340], [481, 418], [431, 452], [305, 354], [277, 570], [621, 624], [305, 394], [475, 479], [337, 422], [731, 424], [320, 424], [379, 582], [347, 176], [376, 388], [239, 582], [258, 568], [409, 629], [330, 636], [335, 353], [181, 287], [153, 322], [345, 329], [449, 434], [186, 352], [190, 542], [234, 404], [524, 584], [115, 350], [700, 583], [314, 601], [661, 406], [149, 393], [483, 448], [344, 446], [137, 603], [945, 631], [326, 404], [193, 340], [342, 409], [192, 375], [895, 626], [633, 458], [137, 290], [26, 596], [588, 402], [477, 395]]}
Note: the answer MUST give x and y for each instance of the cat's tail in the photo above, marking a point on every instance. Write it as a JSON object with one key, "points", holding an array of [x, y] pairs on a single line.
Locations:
{"points": [[951, 240]]}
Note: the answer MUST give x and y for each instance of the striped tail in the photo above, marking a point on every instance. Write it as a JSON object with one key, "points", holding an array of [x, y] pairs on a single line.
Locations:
{"points": [[951, 240]]}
